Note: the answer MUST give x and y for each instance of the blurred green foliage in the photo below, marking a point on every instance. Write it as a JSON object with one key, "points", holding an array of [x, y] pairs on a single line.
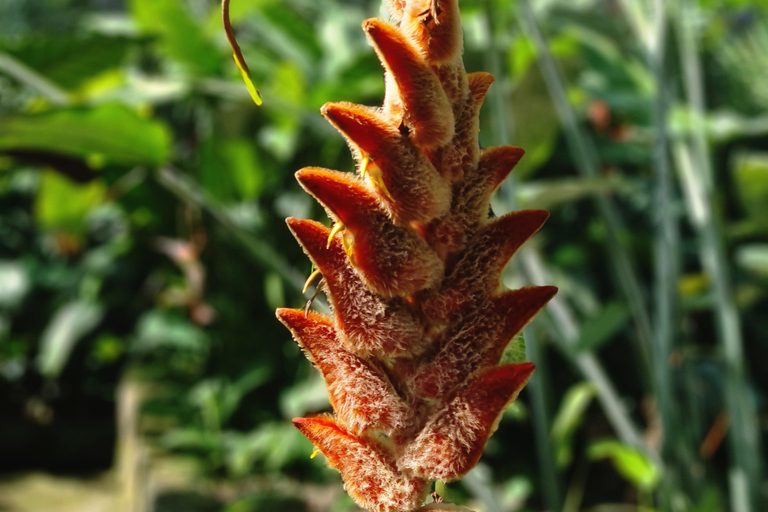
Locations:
{"points": [[142, 198]]}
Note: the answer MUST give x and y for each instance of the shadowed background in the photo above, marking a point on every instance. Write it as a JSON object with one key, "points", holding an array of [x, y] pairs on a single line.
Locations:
{"points": [[143, 251]]}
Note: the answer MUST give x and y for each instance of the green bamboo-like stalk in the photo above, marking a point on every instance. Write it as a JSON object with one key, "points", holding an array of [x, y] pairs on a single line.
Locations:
{"points": [[698, 181], [539, 389], [565, 326], [666, 267], [541, 420], [587, 163], [650, 28], [568, 330]]}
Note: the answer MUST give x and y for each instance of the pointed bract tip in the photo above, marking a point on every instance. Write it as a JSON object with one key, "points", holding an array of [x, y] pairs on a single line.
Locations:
{"points": [[523, 370], [341, 193], [535, 216], [551, 291], [365, 127], [307, 231], [479, 83], [370, 25]]}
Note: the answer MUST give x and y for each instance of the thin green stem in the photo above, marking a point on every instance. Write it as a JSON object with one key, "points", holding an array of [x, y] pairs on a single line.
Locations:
{"points": [[263, 253], [698, 179], [666, 266], [541, 421], [29, 76], [566, 330], [501, 128]]}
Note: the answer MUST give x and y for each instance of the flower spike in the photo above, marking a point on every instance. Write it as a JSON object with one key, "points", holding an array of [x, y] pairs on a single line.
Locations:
{"points": [[412, 269]]}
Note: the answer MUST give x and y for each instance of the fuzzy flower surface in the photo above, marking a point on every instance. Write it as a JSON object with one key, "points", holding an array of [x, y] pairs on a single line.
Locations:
{"points": [[412, 269]]}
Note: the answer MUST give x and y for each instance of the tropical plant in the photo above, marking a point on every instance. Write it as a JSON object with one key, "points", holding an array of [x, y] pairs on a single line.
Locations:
{"points": [[412, 269]]}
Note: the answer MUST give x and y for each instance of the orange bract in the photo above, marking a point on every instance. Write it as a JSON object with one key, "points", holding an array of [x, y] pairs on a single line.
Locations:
{"points": [[419, 319]]}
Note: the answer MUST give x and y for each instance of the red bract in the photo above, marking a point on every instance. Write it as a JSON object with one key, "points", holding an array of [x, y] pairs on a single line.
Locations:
{"points": [[420, 319]]}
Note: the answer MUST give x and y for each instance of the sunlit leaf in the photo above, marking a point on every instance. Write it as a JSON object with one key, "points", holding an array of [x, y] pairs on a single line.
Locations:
{"points": [[632, 464], [531, 107], [14, 283], [111, 134], [753, 257], [515, 351], [163, 330], [305, 397], [68, 325], [288, 33], [751, 173], [569, 418], [64, 204]]}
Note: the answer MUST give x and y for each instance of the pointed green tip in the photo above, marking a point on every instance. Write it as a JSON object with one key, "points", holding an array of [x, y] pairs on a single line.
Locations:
{"points": [[255, 94]]}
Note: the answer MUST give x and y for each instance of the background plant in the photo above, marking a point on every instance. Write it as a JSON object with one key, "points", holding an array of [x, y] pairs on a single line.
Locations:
{"points": [[141, 234]]}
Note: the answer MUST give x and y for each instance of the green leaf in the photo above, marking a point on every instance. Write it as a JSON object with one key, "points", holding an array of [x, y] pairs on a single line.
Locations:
{"points": [[68, 325], [751, 171], [14, 283], [274, 290], [632, 464], [569, 417], [710, 501], [181, 37], [62, 204], [523, 58], [289, 33], [271, 499], [288, 86], [105, 134], [190, 439], [515, 351], [603, 326], [275, 444], [753, 257], [233, 393], [162, 329]]}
